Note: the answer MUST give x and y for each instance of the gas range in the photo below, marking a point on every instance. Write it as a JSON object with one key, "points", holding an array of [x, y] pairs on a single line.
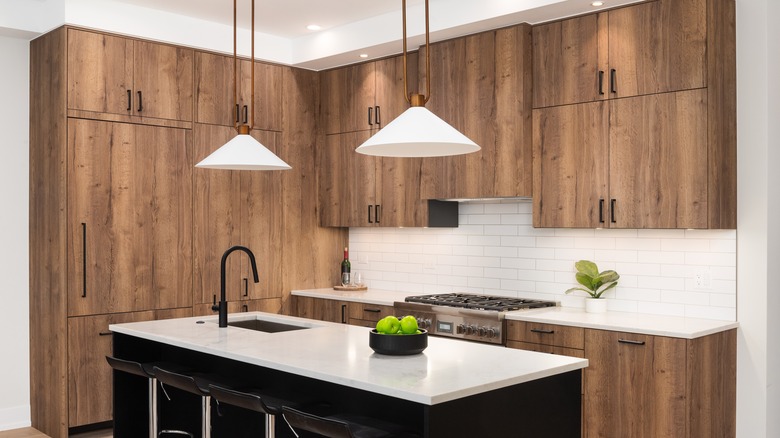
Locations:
{"points": [[465, 316]]}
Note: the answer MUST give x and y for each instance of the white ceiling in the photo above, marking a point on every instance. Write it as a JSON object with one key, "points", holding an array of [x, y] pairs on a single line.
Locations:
{"points": [[285, 18], [349, 27]]}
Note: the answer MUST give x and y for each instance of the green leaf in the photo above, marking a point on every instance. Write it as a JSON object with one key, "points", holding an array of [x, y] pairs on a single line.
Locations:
{"points": [[598, 294], [580, 289], [608, 277], [588, 268], [584, 280]]}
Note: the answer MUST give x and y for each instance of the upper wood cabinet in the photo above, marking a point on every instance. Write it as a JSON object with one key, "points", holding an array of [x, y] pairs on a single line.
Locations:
{"points": [[116, 75], [214, 95], [365, 96], [652, 47], [361, 190], [481, 85], [235, 208], [654, 160], [629, 163], [130, 217]]}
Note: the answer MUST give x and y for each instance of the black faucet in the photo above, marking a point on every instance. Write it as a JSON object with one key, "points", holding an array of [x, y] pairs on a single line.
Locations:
{"points": [[222, 306]]}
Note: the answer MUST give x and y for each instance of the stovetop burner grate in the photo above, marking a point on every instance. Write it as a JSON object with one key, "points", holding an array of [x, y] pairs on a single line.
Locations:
{"points": [[479, 302]]}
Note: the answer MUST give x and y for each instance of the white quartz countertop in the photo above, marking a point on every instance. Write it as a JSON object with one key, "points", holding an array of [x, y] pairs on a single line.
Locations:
{"points": [[339, 353], [672, 326], [370, 296]]}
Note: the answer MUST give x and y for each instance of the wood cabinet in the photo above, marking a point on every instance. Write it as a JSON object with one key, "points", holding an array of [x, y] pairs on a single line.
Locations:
{"points": [[130, 217], [361, 190], [367, 315], [647, 161], [482, 86], [546, 338], [656, 386], [653, 47], [117, 75], [235, 208], [629, 163], [365, 96], [321, 309], [214, 97]]}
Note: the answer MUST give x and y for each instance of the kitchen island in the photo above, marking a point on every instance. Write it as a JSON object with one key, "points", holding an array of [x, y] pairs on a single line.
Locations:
{"points": [[452, 389]]}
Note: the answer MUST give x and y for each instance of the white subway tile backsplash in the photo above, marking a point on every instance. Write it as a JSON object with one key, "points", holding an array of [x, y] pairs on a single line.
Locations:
{"points": [[496, 250]]}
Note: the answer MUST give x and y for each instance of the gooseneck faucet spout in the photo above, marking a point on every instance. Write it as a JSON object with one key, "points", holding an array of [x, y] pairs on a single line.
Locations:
{"points": [[222, 306]]}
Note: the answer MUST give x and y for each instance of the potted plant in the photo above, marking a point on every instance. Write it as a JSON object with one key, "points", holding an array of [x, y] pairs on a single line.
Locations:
{"points": [[594, 283]]}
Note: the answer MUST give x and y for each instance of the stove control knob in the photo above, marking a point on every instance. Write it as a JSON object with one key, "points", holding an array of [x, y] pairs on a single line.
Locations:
{"points": [[424, 323], [482, 331], [461, 329], [492, 333], [471, 329]]}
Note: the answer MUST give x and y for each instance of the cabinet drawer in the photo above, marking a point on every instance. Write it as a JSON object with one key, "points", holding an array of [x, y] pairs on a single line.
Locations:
{"points": [[563, 351], [546, 334], [369, 312]]}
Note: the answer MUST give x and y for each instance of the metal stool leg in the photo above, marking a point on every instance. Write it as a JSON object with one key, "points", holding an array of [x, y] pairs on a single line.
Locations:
{"points": [[206, 419], [152, 407], [270, 426]]}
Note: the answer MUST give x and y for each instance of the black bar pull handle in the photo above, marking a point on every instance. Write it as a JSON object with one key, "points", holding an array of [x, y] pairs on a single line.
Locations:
{"points": [[246, 287], [238, 113], [601, 211], [612, 204], [377, 117], [245, 308], [369, 213], [343, 313], [613, 80], [370, 109], [601, 82], [83, 260], [372, 310], [246, 114], [129, 100], [104, 334], [377, 213], [543, 331], [631, 342], [140, 102]]}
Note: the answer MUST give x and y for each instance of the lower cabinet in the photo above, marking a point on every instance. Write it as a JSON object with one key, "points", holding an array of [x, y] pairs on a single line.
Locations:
{"points": [[320, 309], [89, 375], [344, 312], [642, 385]]}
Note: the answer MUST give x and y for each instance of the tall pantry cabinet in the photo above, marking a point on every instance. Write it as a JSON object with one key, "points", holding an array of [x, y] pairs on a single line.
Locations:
{"points": [[110, 209]]}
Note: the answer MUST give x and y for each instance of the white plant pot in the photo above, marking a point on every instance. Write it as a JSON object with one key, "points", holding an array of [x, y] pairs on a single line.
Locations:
{"points": [[595, 305]]}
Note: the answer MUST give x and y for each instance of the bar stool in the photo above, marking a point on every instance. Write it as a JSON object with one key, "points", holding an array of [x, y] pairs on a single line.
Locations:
{"points": [[266, 403], [143, 370], [194, 383], [342, 425]]}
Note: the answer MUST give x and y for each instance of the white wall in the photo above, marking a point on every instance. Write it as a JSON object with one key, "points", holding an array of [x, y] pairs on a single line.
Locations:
{"points": [[758, 359], [496, 251], [14, 257]]}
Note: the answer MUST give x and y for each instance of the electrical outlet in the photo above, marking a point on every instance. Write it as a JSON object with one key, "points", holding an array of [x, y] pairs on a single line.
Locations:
{"points": [[702, 278]]}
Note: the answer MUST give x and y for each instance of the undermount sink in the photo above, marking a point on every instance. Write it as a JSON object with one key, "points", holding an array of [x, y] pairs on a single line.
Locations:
{"points": [[261, 325]]}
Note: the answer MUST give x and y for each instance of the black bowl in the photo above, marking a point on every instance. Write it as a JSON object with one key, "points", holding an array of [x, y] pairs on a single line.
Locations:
{"points": [[398, 345]]}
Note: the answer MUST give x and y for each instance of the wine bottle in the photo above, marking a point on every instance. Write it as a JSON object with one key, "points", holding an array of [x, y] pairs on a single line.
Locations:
{"points": [[346, 267]]}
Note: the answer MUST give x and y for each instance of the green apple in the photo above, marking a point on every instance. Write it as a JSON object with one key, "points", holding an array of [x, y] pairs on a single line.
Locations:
{"points": [[408, 325]]}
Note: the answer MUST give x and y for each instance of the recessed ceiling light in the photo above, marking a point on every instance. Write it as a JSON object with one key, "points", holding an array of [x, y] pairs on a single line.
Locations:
{"points": [[597, 3], [364, 55], [314, 27]]}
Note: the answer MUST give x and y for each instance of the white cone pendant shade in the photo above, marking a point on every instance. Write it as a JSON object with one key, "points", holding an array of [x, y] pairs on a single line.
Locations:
{"points": [[417, 133], [243, 152]]}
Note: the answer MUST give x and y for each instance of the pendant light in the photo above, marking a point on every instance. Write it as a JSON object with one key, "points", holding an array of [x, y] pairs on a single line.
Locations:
{"points": [[417, 132], [243, 152]]}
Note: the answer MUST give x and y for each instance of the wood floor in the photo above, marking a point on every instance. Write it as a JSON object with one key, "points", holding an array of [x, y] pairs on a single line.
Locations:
{"points": [[29, 432]]}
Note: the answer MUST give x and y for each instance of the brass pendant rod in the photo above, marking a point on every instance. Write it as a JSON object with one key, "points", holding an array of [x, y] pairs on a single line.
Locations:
{"points": [[235, 68], [252, 102], [408, 95], [427, 55], [403, 20]]}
